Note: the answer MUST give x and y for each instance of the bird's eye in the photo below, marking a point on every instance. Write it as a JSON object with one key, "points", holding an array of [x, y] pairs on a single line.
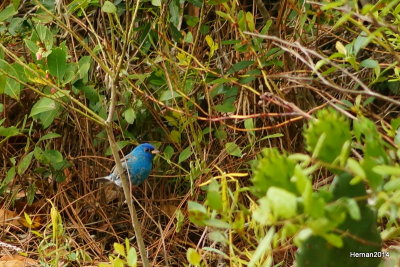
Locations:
{"points": [[147, 149]]}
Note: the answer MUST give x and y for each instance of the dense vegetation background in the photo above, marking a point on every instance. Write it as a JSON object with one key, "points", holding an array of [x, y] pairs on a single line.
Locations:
{"points": [[278, 123]]}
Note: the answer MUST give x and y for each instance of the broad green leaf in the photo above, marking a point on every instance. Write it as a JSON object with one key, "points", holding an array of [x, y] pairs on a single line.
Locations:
{"points": [[156, 3], [44, 104], [168, 94], [109, 7], [129, 115], [185, 154], [8, 12], [10, 86], [8, 131], [131, 258], [283, 203], [233, 149], [369, 63], [174, 13], [193, 257], [84, 66], [57, 63], [214, 198], [53, 156], [197, 213], [168, 152]]}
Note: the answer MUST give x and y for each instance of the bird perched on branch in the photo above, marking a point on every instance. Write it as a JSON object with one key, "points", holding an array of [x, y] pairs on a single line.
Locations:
{"points": [[137, 165]]}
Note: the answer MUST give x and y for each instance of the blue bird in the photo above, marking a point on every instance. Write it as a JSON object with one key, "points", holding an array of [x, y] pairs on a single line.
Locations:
{"points": [[137, 164]]}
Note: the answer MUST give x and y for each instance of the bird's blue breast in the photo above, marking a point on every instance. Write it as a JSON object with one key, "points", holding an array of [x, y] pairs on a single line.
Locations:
{"points": [[139, 168]]}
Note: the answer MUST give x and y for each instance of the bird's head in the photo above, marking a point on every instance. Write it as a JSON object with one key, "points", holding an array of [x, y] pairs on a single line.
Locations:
{"points": [[145, 150]]}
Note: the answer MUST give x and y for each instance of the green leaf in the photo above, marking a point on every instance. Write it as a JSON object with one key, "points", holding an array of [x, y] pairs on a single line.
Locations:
{"points": [[8, 12], [239, 66], [24, 163], [84, 66], [283, 203], [53, 156], [273, 169], [131, 258], [214, 198], [156, 2], [392, 185], [193, 257], [185, 154], [8, 85], [109, 7], [191, 21], [250, 21], [9, 177], [168, 152], [387, 170], [327, 134], [49, 136], [174, 12], [129, 115], [249, 124], [369, 63], [334, 240], [215, 223], [8, 131], [352, 208], [120, 249], [169, 94], [57, 63], [355, 168], [198, 3], [44, 104], [197, 213], [233, 149]]}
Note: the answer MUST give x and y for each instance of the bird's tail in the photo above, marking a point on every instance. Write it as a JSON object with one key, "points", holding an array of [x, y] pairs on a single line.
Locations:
{"points": [[113, 177]]}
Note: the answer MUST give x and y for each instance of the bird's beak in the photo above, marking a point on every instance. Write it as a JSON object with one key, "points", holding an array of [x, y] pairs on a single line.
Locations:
{"points": [[155, 151]]}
